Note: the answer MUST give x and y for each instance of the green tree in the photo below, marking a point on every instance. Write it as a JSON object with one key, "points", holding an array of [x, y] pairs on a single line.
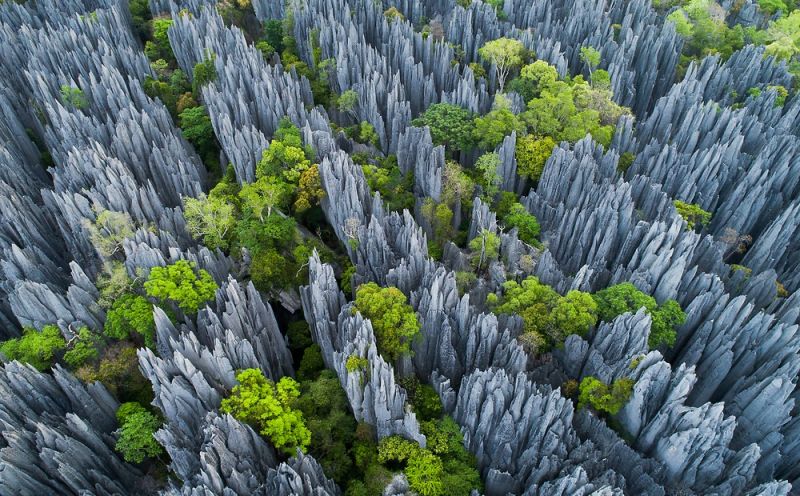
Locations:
{"points": [[38, 348], [692, 214], [119, 372], [625, 297], [137, 426], [283, 160], [485, 248], [487, 166], [73, 97], [180, 283], [541, 74], [161, 49], [440, 218], [526, 223], [273, 34], [348, 102], [309, 191], [271, 271], [266, 193], [492, 128], [131, 313], [83, 348], [424, 472], [327, 415], [450, 125], [211, 219], [108, 231], [393, 320], [591, 57], [196, 128], [604, 398], [783, 37], [504, 54], [532, 153], [271, 408], [548, 318]]}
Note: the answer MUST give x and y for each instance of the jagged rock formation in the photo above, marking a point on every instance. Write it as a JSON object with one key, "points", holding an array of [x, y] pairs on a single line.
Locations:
{"points": [[56, 435], [715, 414]]}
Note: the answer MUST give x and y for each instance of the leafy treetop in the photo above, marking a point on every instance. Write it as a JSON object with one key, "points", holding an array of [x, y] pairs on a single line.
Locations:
{"points": [[270, 407], [393, 320], [180, 283]]}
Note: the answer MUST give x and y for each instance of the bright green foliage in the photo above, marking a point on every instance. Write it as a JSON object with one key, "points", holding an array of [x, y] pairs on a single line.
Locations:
{"points": [[541, 75], [620, 298], [424, 473], [356, 363], [129, 314], [526, 223], [348, 101], [196, 128], [286, 156], [84, 348], [204, 72], [485, 248], [181, 284], [161, 48], [396, 449], [464, 281], [274, 233], [326, 411], [393, 320], [266, 193], [781, 93], [392, 14], [505, 54], [73, 97], [604, 398], [266, 49], [38, 348], [692, 214], [270, 407], [450, 125], [492, 128], [532, 154], [548, 317], [137, 426], [568, 112], [363, 133], [211, 219], [772, 6], [487, 165], [590, 56], [783, 37]]}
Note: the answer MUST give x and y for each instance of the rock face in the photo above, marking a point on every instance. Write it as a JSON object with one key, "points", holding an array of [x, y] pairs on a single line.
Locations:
{"points": [[57, 435], [716, 413]]}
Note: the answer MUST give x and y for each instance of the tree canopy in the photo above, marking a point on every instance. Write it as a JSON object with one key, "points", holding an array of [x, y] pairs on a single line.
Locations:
{"points": [[625, 297], [131, 313], [182, 284], [137, 426], [271, 407], [450, 125], [504, 54], [393, 320], [547, 316], [602, 397], [38, 348]]}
